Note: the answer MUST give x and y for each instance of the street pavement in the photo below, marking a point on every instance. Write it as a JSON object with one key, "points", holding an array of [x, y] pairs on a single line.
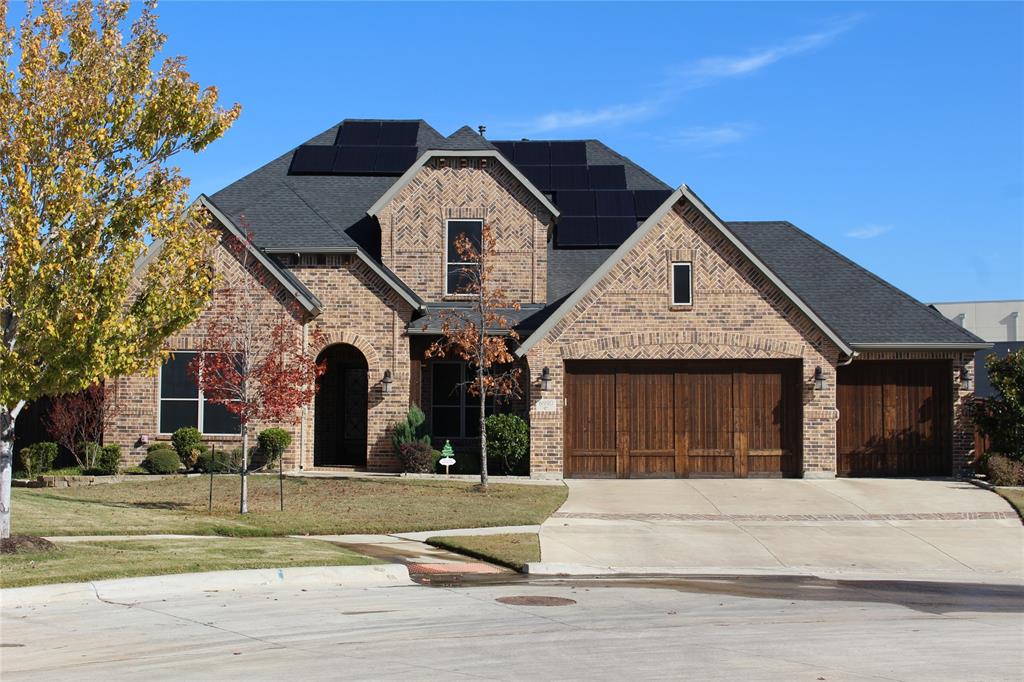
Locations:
{"points": [[757, 628]]}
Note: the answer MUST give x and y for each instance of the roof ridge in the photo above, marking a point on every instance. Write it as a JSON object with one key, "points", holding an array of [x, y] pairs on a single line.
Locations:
{"points": [[876, 278], [641, 168]]}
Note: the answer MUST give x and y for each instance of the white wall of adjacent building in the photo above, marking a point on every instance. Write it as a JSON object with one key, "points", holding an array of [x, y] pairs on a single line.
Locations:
{"points": [[991, 320]]}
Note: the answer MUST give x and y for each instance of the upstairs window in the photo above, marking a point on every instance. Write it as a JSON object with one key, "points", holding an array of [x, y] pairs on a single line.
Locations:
{"points": [[682, 283], [457, 271], [183, 404]]}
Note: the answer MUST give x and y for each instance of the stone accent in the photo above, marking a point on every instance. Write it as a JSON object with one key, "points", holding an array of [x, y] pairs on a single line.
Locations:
{"points": [[413, 226], [736, 314]]}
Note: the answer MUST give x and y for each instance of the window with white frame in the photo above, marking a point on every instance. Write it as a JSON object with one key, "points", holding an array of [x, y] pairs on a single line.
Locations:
{"points": [[455, 413], [458, 273], [682, 283], [182, 403]]}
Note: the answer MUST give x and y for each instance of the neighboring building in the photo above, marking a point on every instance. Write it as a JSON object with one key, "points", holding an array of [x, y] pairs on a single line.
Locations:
{"points": [[989, 320], [655, 338]]}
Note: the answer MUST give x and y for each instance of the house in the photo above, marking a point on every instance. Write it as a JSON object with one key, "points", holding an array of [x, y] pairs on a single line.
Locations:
{"points": [[656, 339]]}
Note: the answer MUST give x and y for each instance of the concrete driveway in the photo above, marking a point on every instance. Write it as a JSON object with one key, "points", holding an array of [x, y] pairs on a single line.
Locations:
{"points": [[932, 529]]}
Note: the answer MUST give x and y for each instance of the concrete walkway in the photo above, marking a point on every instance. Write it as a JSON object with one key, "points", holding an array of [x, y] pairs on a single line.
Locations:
{"points": [[898, 528]]}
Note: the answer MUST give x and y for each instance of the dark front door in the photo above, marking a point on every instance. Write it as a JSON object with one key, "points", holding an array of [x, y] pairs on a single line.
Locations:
{"points": [[340, 430], [675, 419]]}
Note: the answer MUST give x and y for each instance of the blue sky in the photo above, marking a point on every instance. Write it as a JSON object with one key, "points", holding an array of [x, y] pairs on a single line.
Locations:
{"points": [[892, 132]]}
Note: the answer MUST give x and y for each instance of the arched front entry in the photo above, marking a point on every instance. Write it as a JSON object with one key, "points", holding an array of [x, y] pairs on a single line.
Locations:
{"points": [[339, 434]]}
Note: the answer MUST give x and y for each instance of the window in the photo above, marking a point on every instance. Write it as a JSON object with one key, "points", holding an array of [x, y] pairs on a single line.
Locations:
{"points": [[682, 284], [454, 412], [457, 280], [183, 404]]}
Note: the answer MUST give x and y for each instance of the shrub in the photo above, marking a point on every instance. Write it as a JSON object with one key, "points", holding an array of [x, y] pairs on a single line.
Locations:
{"points": [[220, 461], [159, 445], [1003, 470], [109, 460], [86, 453], [164, 461], [37, 458], [187, 443], [416, 457], [508, 440], [410, 430], [272, 444]]}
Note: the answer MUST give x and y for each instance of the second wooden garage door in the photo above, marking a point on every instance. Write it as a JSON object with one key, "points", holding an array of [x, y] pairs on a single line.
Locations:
{"points": [[669, 419]]}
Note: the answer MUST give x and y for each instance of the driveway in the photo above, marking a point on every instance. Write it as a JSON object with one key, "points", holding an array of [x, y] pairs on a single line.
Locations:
{"points": [[893, 527]]}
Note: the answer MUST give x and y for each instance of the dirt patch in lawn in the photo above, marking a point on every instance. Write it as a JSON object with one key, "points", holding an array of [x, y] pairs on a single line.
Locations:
{"points": [[25, 543]]}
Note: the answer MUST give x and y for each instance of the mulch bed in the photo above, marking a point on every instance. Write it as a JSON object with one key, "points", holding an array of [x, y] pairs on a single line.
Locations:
{"points": [[25, 543]]}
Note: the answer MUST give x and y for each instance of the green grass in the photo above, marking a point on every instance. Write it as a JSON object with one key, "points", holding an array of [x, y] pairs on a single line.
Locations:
{"points": [[514, 550], [84, 561], [312, 506], [1015, 496]]}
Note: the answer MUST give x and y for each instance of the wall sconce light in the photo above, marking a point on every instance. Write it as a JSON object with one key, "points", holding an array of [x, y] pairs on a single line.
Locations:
{"points": [[965, 379], [819, 379], [545, 378], [386, 382]]}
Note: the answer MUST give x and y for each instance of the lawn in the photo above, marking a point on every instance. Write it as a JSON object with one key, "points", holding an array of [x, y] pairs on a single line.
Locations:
{"points": [[83, 561], [1015, 496], [514, 550], [312, 506]]}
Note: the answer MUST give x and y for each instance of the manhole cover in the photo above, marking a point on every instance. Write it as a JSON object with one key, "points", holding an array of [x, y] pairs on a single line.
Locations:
{"points": [[533, 600]]}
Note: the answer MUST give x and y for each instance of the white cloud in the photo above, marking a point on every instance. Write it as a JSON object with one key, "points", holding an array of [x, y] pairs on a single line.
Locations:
{"points": [[581, 118], [713, 136], [869, 231]]}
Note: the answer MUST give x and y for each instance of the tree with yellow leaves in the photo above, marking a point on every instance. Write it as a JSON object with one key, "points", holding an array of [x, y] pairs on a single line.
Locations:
{"points": [[87, 130]]}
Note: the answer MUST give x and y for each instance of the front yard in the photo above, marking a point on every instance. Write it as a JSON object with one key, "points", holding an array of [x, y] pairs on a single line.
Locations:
{"points": [[312, 507]]}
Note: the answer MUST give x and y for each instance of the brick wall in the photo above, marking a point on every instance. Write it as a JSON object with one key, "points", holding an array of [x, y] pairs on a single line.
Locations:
{"points": [[413, 226], [736, 314]]}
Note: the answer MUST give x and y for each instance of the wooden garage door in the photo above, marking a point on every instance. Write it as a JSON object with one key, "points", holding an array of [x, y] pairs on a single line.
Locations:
{"points": [[668, 419], [895, 418]]}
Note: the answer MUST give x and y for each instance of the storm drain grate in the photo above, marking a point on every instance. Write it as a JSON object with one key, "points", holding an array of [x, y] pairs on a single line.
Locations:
{"points": [[534, 600]]}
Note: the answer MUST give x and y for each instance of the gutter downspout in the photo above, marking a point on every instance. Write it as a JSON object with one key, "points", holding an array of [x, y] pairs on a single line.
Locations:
{"points": [[844, 363]]}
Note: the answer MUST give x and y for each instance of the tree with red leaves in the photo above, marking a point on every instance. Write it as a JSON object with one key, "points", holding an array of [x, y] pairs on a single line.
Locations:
{"points": [[77, 418], [480, 334], [258, 374]]}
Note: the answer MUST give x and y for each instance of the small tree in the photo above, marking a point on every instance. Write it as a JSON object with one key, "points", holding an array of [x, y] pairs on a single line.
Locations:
{"points": [[255, 373], [1001, 417], [87, 130], [77, 418], [480, 333]]}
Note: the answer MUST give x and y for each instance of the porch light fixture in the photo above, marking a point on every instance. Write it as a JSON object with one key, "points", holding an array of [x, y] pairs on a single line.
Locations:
{"points": [[545, 378], [386, 382], [965, 379], [819, 379]]}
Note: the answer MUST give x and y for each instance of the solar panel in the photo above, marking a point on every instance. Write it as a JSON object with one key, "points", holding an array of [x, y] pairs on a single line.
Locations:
{"points": [[365, 133], [508, 149], [532, 152], [614, 202], [568, 153], [359, 160], [612, 231], [577, 231], [575, 202], [312, 158], [539, 176], [399, 133], [607, 177], [569, 177], [394, 159], [647, 201]]}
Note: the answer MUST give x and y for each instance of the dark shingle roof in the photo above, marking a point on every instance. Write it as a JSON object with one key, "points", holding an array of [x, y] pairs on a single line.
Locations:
{"points": [[465, 139], [858, 305], [567, 268], [430, 322]]}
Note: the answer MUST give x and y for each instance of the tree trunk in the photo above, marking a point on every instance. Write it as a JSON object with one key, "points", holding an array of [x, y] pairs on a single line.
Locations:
{"points": [[243, 502], [483, 430], [7, 419]]}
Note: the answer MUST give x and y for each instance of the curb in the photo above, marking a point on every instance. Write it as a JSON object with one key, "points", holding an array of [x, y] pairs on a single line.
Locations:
{"points": [[134, 590], [423, 535], [982, 484]]}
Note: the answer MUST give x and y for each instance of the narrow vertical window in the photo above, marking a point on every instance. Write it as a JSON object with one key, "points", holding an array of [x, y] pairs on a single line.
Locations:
{"points": [[682, 284], [457, 278]]}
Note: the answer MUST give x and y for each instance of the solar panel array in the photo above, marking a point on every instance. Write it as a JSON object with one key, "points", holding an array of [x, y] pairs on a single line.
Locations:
{"points": [[597, 209], [361, 148]]}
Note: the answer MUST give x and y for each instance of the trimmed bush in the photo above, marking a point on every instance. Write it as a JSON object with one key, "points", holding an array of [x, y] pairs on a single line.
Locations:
{"points": [[187, 443], [272, 443], [220, 462], [159, 445], [416, 458], [409, 431], [1003, 470], [508, 441], [109, 460], [164, 461], [37, 458]]}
